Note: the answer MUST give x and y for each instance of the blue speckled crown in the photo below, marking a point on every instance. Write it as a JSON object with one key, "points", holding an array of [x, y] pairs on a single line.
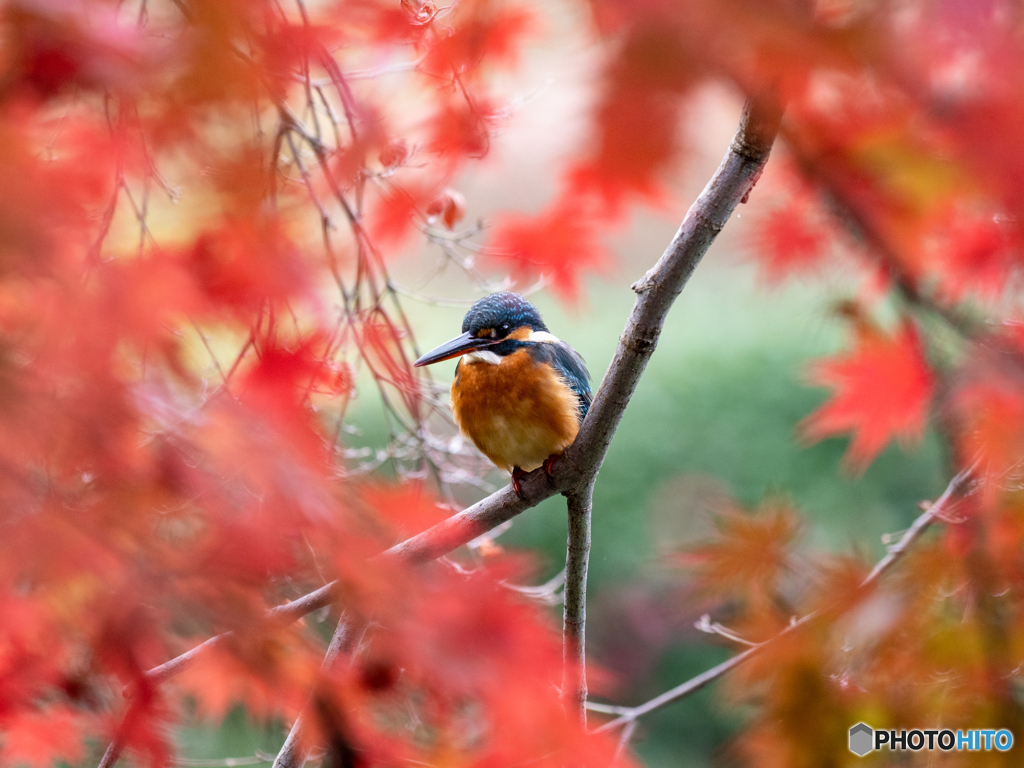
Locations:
{"points": [[500, 309]]}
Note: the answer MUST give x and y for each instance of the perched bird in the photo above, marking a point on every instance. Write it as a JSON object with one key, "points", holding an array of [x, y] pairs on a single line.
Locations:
{"points": [[520, 393]]}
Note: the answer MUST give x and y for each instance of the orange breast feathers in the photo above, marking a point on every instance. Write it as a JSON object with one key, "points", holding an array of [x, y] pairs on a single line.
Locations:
{"points": [[518, 412]]}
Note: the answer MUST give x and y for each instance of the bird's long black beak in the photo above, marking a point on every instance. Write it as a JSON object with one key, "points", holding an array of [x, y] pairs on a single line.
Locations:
{"points": [[460, 345]]}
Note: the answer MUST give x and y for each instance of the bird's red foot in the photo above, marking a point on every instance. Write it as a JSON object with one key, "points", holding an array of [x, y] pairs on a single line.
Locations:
{"points": [[517, 475], [549, 466]]}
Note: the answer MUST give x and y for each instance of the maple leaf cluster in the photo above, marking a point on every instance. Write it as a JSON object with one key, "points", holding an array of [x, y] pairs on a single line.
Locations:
{"points": [[199, 205], [899, 168], [199, 202]]}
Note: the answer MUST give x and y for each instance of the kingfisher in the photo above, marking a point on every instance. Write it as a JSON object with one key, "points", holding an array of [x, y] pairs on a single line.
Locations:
{"points": [[520, 393]]}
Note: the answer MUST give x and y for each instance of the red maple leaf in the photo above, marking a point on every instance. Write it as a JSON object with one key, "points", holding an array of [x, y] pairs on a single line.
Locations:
{"points": [[790, 239], [558, 243], [749, 557], [495, 33], [461, 129], [980, 255], [882, 390], [394, 215]]}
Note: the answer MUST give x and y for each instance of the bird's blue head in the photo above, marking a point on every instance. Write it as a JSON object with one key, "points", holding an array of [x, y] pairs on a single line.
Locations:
{"points": [[502, 313], [489, 324]]}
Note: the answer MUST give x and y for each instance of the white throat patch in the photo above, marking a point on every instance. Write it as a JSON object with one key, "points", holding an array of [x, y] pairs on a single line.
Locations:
{"points": [[483, 356]]}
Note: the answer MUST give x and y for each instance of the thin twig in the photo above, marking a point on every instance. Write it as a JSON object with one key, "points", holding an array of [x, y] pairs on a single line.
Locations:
{"points": [[957, 487], [704, 624], [547, 593], [626, 735], [936, 510], [224, 762]]}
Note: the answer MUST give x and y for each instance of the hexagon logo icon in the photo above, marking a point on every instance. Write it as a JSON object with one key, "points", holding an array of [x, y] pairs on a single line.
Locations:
{"points": [[861, 739]]}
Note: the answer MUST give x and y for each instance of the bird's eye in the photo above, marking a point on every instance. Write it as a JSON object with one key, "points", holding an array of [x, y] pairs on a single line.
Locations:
{"points": [[504, 327]]}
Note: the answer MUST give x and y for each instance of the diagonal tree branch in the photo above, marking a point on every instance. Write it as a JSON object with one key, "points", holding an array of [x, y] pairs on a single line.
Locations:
{"points": [[656, 292], [937, 510]]}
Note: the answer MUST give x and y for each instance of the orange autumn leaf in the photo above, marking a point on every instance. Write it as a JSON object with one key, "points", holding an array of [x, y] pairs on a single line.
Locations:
{"points": [[269, 675], [58, 47], [992, 425], [751, 553], [245, 262], [636, 122], [882, 390], [194, 201], [457, 639], [462, 129], [986, 407], [394, 153]]}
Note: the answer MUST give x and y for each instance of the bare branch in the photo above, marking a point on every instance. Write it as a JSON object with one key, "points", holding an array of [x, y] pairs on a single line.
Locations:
{"points": [[224, 762], [958, 486], [608, 709], [937, 510], [547, 593], [116, 747], [627, 734], [575, 474], [685, 689]]}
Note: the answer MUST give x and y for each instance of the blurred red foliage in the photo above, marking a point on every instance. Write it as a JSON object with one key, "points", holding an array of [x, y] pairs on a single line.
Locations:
{"points": [[196, 202]]}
